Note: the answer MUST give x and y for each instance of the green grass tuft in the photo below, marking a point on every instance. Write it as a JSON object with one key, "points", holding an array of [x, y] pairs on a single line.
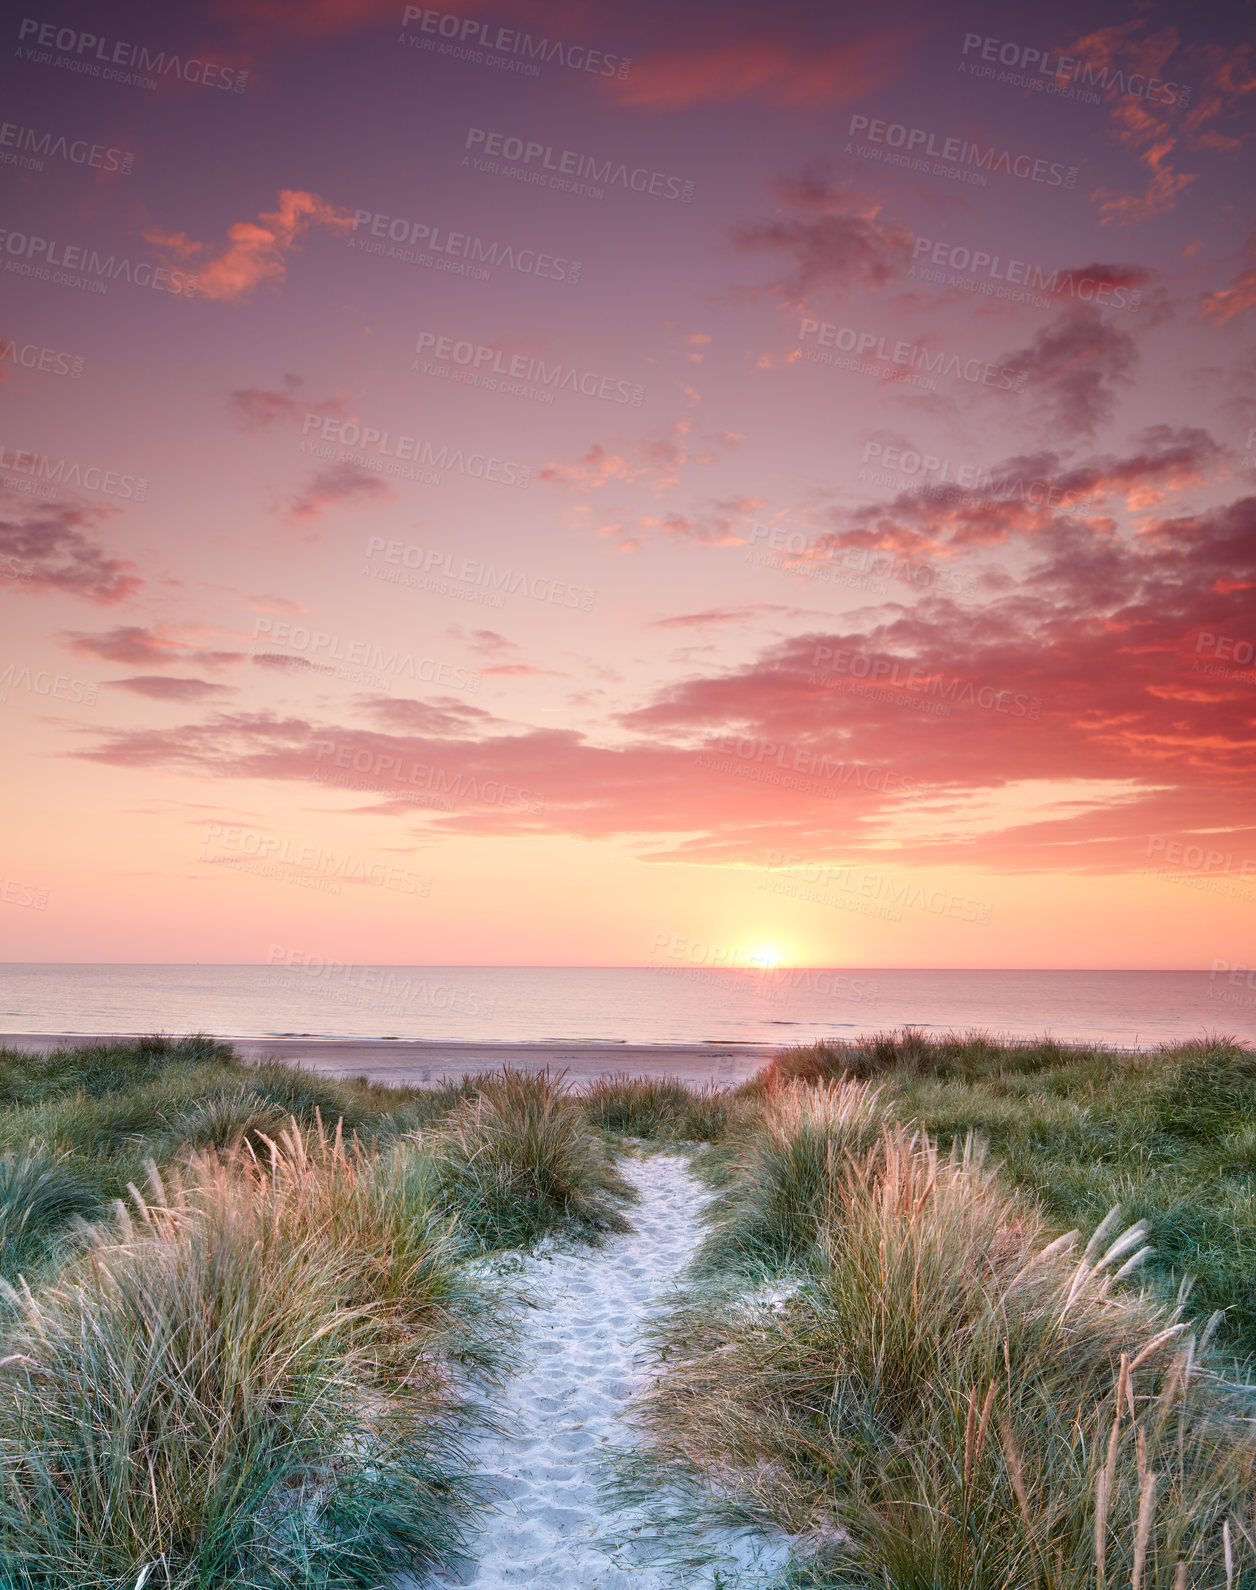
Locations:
{"points": [[657, 1109], [40, 1195], [519, 1161], [779, 1174]]}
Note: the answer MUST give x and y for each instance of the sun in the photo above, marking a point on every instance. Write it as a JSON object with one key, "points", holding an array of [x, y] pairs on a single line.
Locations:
{"points": [[764, 956]]}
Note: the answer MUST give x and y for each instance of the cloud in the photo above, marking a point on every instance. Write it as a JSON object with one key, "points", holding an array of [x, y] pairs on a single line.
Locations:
{"points": [[168, 687], [1071, 371], [1065, 285], [45, 547], [1021, 496], [268, 602], [256, 251], [1202, 87], [1222, 305], [835, 239], [278, 659], [444, 716], [720, 615], [140, 645], [489, 643], [1056, 723], [655, 460], [766, 67], [723, 523], [347, 482], [259, 409], [595, 469]]}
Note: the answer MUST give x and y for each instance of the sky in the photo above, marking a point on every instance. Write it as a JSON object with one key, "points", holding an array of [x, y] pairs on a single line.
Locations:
{"points": [[580, 484]]}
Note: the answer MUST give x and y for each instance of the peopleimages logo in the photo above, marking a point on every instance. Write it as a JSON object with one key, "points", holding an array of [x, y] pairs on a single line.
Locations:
{"points": [[38, 257], [1060, 69], [905, 466], [77, 151], [431, 567], [566, 163], [508, 41], [51, 361], [458, 252], [1019, 273], [57, 687], [919, 145], [480, 361], [408, 456], [321, 647], [43, 475], [907, 355], [882, 671], [95, 56]]}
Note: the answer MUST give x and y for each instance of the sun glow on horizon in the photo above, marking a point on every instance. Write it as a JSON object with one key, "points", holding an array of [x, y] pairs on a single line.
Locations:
{"points": [[766, 957]]}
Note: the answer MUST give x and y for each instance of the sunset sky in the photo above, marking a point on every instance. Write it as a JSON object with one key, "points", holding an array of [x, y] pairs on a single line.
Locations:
{"points": [[561, 484]]}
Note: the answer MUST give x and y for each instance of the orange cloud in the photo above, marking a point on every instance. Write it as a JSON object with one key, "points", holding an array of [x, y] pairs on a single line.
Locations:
{"points": [[777, 71], [1158, 131], [256, 251], [1227, 302]]}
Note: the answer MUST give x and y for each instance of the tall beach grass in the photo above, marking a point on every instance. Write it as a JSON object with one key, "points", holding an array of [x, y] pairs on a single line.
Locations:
{"points": [[519, 1161], [197, 1398], [254, 1367], [956, 1397]]}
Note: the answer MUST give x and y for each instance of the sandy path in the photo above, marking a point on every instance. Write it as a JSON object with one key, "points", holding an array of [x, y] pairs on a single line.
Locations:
{"points": [[578, 1371]]}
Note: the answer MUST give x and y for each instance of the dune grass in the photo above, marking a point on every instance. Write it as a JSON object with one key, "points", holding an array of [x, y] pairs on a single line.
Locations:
{"points": [[40, 1195], [955, 1397], [186, 1401], [519, 1161], [776, 1173], [1169, 1134], [255, 1371], [660, 1110], [101, 1112]]}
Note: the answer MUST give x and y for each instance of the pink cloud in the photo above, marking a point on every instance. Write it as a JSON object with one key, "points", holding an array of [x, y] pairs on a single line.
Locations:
{"points": [[1225, 303], [1072, 369], [657, 460], [338, 483], [259, 408], [770, 68], [833, 236], [1158, 130], [256, 251], [140, 645], [1086, 670], [45, 548], [167, 687], [725, 523]]}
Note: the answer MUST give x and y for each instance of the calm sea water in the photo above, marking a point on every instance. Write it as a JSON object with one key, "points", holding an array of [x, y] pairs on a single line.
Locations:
{"points": [[617, 1005]]}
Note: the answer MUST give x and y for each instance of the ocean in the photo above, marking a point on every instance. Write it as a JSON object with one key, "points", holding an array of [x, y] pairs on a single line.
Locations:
{"points": [[641, 1005]]}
